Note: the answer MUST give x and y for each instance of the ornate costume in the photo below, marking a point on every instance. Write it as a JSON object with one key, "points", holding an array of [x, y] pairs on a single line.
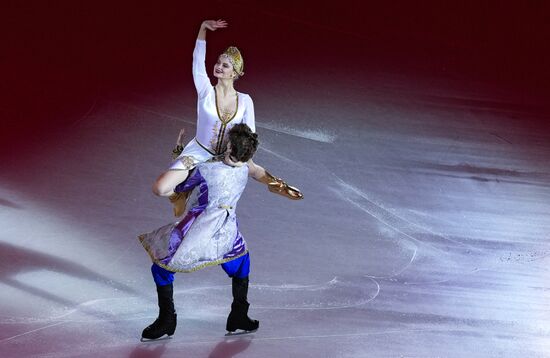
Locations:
{"points": [[208, 233], [212, 123]]}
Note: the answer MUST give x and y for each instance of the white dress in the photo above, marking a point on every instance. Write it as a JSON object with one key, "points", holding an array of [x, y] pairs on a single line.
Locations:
{"points": [[212, 126], [208, 233]]}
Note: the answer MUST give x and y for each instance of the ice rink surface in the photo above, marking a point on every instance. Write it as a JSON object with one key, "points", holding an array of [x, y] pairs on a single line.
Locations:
{"points": [[423, 232]]}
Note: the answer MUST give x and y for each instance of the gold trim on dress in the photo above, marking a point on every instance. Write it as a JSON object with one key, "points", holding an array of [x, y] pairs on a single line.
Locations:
{"points": [[225, 121], [189, 162], [204, 147], [141, 238]]}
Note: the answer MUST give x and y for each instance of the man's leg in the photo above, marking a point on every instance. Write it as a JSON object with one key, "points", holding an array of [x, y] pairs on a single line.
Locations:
{"points": [[167, 318], [239, 270]]}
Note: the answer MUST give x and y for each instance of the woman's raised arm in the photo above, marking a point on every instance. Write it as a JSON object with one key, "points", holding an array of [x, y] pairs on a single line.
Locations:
{"points": [[211, 25], [200, 76]]}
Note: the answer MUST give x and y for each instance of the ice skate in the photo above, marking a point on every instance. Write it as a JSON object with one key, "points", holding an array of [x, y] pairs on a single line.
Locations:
{"points": [[238, 317], [238, 321], [163, 328], [165, 324]]}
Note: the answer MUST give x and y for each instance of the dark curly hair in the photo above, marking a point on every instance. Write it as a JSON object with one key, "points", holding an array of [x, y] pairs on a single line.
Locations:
{"points": [[243, 141]]}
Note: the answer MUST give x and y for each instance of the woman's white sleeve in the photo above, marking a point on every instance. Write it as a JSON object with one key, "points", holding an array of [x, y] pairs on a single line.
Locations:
{"points": [[248, 117], [202, 82]]}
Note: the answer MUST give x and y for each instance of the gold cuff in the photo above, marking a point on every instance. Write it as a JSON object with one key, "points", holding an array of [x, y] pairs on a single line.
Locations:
{"points": [[177, 151], [279, 186]]}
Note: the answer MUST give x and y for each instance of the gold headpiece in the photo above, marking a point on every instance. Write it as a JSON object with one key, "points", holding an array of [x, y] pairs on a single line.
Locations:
{"points": [[234, 56]]}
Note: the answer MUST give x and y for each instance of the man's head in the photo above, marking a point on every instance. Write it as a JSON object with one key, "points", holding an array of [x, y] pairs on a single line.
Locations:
{"points": [[242, 143]]}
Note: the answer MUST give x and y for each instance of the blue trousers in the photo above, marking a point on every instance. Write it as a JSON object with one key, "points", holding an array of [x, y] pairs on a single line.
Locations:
{"points": [[235, 268]]}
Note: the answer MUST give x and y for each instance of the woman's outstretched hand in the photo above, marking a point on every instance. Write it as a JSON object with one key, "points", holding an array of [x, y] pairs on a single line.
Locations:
{"points": [[213, 25], [179, 142]]}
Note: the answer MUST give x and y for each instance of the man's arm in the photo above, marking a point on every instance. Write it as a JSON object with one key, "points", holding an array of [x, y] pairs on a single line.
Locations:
{"points": [[274, 184], [255, 171]]}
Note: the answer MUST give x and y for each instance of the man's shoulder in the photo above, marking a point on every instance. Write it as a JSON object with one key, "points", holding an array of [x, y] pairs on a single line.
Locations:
{"points": [[219, 165]]}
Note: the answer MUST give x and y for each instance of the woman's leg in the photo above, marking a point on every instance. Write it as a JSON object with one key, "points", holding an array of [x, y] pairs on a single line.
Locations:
{"points": [[167, 181]]}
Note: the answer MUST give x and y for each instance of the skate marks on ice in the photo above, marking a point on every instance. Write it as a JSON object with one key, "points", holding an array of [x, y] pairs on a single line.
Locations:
{"points": [[317, 135], [31, 331], [266, 149], [98, 310], [214, 300], [419, 241], [444, 258], [340, 292], [394, 223], [211, 302], [451, 259], [401, 225]]}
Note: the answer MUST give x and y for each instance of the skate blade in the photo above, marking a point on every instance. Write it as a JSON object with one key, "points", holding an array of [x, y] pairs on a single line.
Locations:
{"points": [[163, 338], [239, 333]]}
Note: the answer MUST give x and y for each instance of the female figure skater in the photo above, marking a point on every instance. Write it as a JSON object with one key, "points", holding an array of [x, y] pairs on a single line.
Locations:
{"points": [[207, 235], [219, 108]]}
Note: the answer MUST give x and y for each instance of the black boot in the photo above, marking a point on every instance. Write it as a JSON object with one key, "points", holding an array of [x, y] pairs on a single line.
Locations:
{"points": [[238, 317], [167, 319]]}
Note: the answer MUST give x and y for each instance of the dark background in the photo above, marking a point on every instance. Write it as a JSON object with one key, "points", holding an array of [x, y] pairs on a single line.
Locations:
{"points": [[59, 55]]}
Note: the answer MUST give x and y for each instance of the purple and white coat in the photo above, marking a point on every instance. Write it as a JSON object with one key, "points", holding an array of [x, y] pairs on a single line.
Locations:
{"points": [[208, 233]]}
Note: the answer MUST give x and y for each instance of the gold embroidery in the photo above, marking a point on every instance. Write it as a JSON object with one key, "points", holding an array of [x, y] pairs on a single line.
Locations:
{"points": [[204, 147], [221, 137], [141, 238], [214, 138], [228, 116], [236, 59], [225, 118], [188, 162]]}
